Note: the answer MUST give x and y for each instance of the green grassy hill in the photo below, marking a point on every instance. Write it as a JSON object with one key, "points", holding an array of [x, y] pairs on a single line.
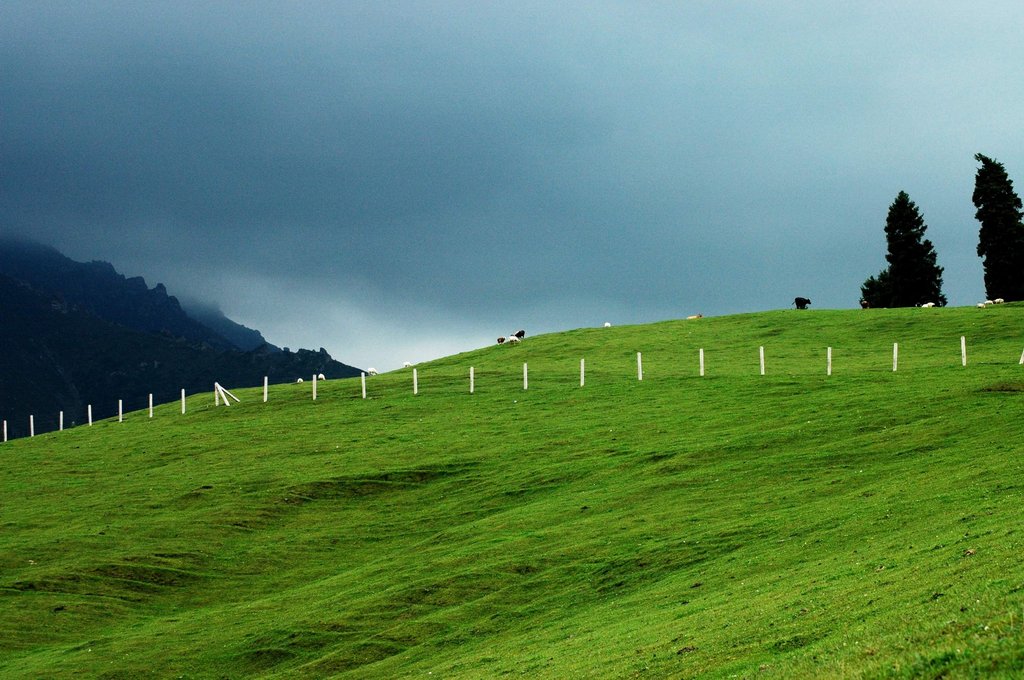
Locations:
{"points": [[864, 524]]}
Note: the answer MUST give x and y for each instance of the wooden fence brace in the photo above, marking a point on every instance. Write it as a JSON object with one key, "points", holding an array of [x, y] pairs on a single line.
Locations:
{"points": [[963, 350], [265, 381], [224, 394], [1021, 362], [639, 367], [702, 362]]}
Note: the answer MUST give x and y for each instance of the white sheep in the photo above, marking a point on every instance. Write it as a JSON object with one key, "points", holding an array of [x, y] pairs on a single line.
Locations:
{"points": [[980, 305], [371, 371], [321, 377], [407, 365], [928, 304], [299, 380], [513, 339], [999, 301], [607, 324]]}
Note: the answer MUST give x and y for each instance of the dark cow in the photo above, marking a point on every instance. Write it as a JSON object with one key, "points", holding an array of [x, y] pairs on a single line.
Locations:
{"points": [[520, 334], [801, 302], [864, 304]]}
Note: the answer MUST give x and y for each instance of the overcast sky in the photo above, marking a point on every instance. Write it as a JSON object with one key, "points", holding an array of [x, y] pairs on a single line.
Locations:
{"points": [[397, 181]]}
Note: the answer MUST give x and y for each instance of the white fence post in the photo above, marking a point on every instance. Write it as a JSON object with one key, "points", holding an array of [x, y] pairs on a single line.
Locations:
{"points": [[582, 372], [702, 362], [761, 353], [265, 389], [88, 410], [150, 404], [216, 394], [5, 430], [31, 426], [895, 356], [415, 382], [639, 367], [963, 350], [829, 370], [314, 387], [526, 382], [61, 419], [472, 380], [362, 377], [120, 411], [183, 401], [1021, 362]]}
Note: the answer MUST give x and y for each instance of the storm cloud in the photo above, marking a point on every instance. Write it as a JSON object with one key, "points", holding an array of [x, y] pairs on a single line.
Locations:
{"points": [[396, 181]]}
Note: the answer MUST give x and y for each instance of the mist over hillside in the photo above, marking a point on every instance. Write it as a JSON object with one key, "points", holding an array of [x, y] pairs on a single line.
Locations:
{"points": [[78, 334]]}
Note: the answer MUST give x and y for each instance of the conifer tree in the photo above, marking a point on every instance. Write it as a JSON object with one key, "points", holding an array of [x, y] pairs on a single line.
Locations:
{"points": [[1001, 237], [912, 277]]}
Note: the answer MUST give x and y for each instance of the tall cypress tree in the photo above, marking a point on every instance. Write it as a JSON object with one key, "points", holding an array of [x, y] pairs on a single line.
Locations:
{"points": [[912, 277], [1001, 237]]}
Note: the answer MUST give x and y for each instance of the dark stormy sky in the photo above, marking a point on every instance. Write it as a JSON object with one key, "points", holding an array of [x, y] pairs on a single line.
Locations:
{"points": [[396, 181]]}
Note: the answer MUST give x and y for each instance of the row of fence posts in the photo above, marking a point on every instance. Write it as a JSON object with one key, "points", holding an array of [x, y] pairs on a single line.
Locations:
{"points": [[223, 395], [88, 414]]}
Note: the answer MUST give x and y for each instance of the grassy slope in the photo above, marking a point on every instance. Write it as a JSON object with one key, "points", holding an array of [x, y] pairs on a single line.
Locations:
{"points": [[866, 524]]}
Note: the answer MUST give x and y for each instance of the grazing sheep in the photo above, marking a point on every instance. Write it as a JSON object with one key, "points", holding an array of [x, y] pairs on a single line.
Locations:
{"points": [[607, 324], [321, 377], [406, 365], [999, 301], [299, 380], [980, 305], [801, 302], [987, 303], [695, 316], [371, 371], [928, 304], [514, 339]]}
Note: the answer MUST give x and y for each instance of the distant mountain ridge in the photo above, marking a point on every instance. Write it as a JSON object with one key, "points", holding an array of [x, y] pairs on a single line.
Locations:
{"points": [[98, 289], [74, 334]]}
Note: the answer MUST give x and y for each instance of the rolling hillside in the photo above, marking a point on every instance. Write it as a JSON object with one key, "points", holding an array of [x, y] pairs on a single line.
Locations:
{"points": [[863, 524]]}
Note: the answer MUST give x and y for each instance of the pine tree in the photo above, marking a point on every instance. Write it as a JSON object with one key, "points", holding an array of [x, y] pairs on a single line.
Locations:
{"points": [[912, 277], [1001, 237]]}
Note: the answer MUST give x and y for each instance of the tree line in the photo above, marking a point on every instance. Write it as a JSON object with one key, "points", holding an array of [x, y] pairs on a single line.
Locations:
{"points": [[913, 276]]}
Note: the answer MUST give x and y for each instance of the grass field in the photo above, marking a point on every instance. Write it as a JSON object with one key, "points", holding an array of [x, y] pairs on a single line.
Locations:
{"points": [[863, 524]]}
